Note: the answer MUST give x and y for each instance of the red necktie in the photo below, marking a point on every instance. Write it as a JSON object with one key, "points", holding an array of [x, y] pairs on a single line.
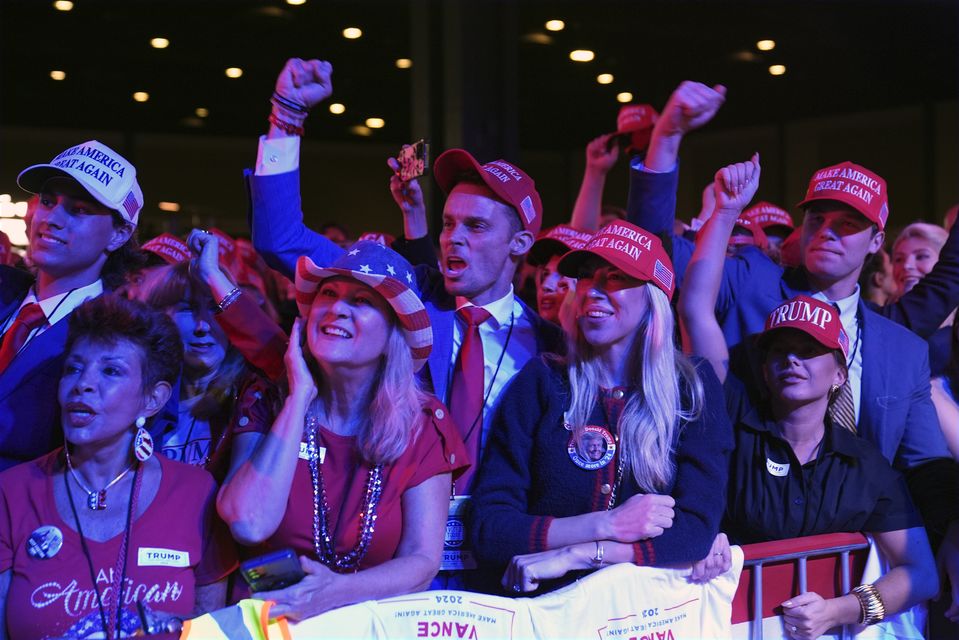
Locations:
{"points": [[466, 397], [31, 317]]}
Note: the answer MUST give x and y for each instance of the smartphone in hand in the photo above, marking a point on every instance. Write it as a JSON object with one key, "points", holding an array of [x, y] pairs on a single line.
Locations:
{"points": [[272, 571]]}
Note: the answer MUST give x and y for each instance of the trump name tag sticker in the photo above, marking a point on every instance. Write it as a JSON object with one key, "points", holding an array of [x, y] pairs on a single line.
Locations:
{"points": [[778, 469], [155, 557], [44, 542], [457, 552]]}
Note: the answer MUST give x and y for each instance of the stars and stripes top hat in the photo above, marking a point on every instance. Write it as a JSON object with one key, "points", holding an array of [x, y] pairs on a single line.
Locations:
{"points": [[820, 320], [387, 273], [635, 251], [101, 171]]}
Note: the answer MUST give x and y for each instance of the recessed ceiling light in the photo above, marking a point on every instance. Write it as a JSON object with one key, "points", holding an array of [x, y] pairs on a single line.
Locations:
{"points": [[201, 112], [403, 63], [777, 69], [624, 96], [537, 37], [604, 78], [168, 206], [233, 72], [581, 55], [63, 5], [555, 25], [141, 96], [296, 2], [58, 75], [337, 108], [375, 123], [766, 45], [159, 43], [361, 130], [352, 33]]}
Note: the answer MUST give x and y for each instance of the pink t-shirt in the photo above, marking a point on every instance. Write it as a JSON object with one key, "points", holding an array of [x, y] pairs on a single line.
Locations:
{"points": [[438, 449], [177, 543]]}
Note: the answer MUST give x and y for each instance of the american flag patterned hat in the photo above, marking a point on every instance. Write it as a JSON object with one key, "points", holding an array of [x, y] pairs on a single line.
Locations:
{"points": [[387, 273]]}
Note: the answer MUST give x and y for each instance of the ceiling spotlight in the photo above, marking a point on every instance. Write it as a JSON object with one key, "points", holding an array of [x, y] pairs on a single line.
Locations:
{"points": [[352, 33], [63, 5], [403, 63], [581, 55], [159, 43], [375, 123], [766, 45], [141, 96], [361, 130], [296, 2], [777, 69], [624, 97], [555, 25], [233, 72], [58, 75], [337, 108], [604, 78], [537, 37], [201, 112], [172, 207]]}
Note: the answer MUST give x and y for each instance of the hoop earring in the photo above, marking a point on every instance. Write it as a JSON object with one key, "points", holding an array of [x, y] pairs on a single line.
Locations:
{"points": [[142, 441]]}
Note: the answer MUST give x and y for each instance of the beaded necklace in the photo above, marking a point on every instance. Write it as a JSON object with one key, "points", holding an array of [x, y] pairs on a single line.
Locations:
{"points": [[322, 537]]}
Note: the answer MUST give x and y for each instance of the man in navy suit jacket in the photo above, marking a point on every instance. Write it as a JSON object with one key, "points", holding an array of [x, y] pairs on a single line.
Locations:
{"points": [[82, 226]]}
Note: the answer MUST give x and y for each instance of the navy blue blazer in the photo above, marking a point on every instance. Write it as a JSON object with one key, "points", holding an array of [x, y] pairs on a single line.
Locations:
{"points": [[29, 412]]}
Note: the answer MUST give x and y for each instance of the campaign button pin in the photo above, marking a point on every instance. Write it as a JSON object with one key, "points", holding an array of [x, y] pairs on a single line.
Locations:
{"points": [[44, 542]]}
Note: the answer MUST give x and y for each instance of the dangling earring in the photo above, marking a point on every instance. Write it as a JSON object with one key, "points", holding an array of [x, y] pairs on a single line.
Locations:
{"points": [[834, 391], [143, 441]]}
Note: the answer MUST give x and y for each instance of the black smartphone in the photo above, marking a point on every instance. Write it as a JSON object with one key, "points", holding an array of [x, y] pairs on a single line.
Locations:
{"points": [[414, 160], [272, 571]]}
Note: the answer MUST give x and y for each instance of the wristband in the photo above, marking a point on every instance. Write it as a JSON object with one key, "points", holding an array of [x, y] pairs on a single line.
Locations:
{"points": [[287, 127], [228, 299], [871, 604], [289, 104]]}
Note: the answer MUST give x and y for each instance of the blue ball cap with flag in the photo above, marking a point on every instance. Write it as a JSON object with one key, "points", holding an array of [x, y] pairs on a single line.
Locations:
{"points": [[386, 272]]}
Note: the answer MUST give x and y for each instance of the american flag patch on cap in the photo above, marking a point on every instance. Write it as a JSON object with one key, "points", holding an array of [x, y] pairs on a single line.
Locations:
{"points": [[131, 205], [528, 211], [663, 275]]}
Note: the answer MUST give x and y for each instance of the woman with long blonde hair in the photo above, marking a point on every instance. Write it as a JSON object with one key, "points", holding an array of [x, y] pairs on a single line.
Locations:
{"points": [[544, 507], [354, 473]]}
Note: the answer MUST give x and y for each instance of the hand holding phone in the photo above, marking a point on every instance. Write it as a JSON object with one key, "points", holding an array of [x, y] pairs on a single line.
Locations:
{"points": [[413, 160], [272, 571]]}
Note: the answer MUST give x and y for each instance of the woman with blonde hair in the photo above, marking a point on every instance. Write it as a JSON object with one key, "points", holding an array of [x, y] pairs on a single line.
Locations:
{"points": [[354, 474], [915, 252], [543, 507]]}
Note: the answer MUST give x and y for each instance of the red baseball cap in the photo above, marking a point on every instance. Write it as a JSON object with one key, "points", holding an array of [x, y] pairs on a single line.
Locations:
{"points": [[637, 120], [816, 318], [636, 251], [169, 247], [555, 242], [506, 180], [755, 236], [766, 215], [854, 186]]}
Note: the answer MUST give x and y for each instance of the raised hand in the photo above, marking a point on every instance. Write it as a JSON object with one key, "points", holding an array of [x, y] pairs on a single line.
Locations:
{"points": [[691, 105], [306, 82], [599, 158], [735, 185]]}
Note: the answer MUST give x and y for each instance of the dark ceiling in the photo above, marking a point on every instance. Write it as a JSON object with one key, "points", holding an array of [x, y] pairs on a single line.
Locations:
{"points": [[840, 57]]}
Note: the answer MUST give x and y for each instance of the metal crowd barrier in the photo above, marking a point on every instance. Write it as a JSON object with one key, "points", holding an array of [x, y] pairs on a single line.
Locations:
{"points": [[776, 571]]}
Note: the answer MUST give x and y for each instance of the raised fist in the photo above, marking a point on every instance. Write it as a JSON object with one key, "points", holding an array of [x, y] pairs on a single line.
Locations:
{"points": [[306, 82], [692, 105]]}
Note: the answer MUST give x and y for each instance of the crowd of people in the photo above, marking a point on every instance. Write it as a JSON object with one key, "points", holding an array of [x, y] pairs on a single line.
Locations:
{"points": [[504, 415]]}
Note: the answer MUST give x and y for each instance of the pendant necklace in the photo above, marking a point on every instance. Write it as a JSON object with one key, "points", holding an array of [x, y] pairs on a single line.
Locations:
{"points": [[96, 500]]}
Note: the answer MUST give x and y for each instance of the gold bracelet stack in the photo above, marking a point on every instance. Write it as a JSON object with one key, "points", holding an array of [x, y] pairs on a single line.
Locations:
{"points": [[873, 609]]}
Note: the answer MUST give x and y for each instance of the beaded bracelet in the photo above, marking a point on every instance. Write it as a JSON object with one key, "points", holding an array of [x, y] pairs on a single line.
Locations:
{"points": [[228, 299], [287, 127], [871, 604]]}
